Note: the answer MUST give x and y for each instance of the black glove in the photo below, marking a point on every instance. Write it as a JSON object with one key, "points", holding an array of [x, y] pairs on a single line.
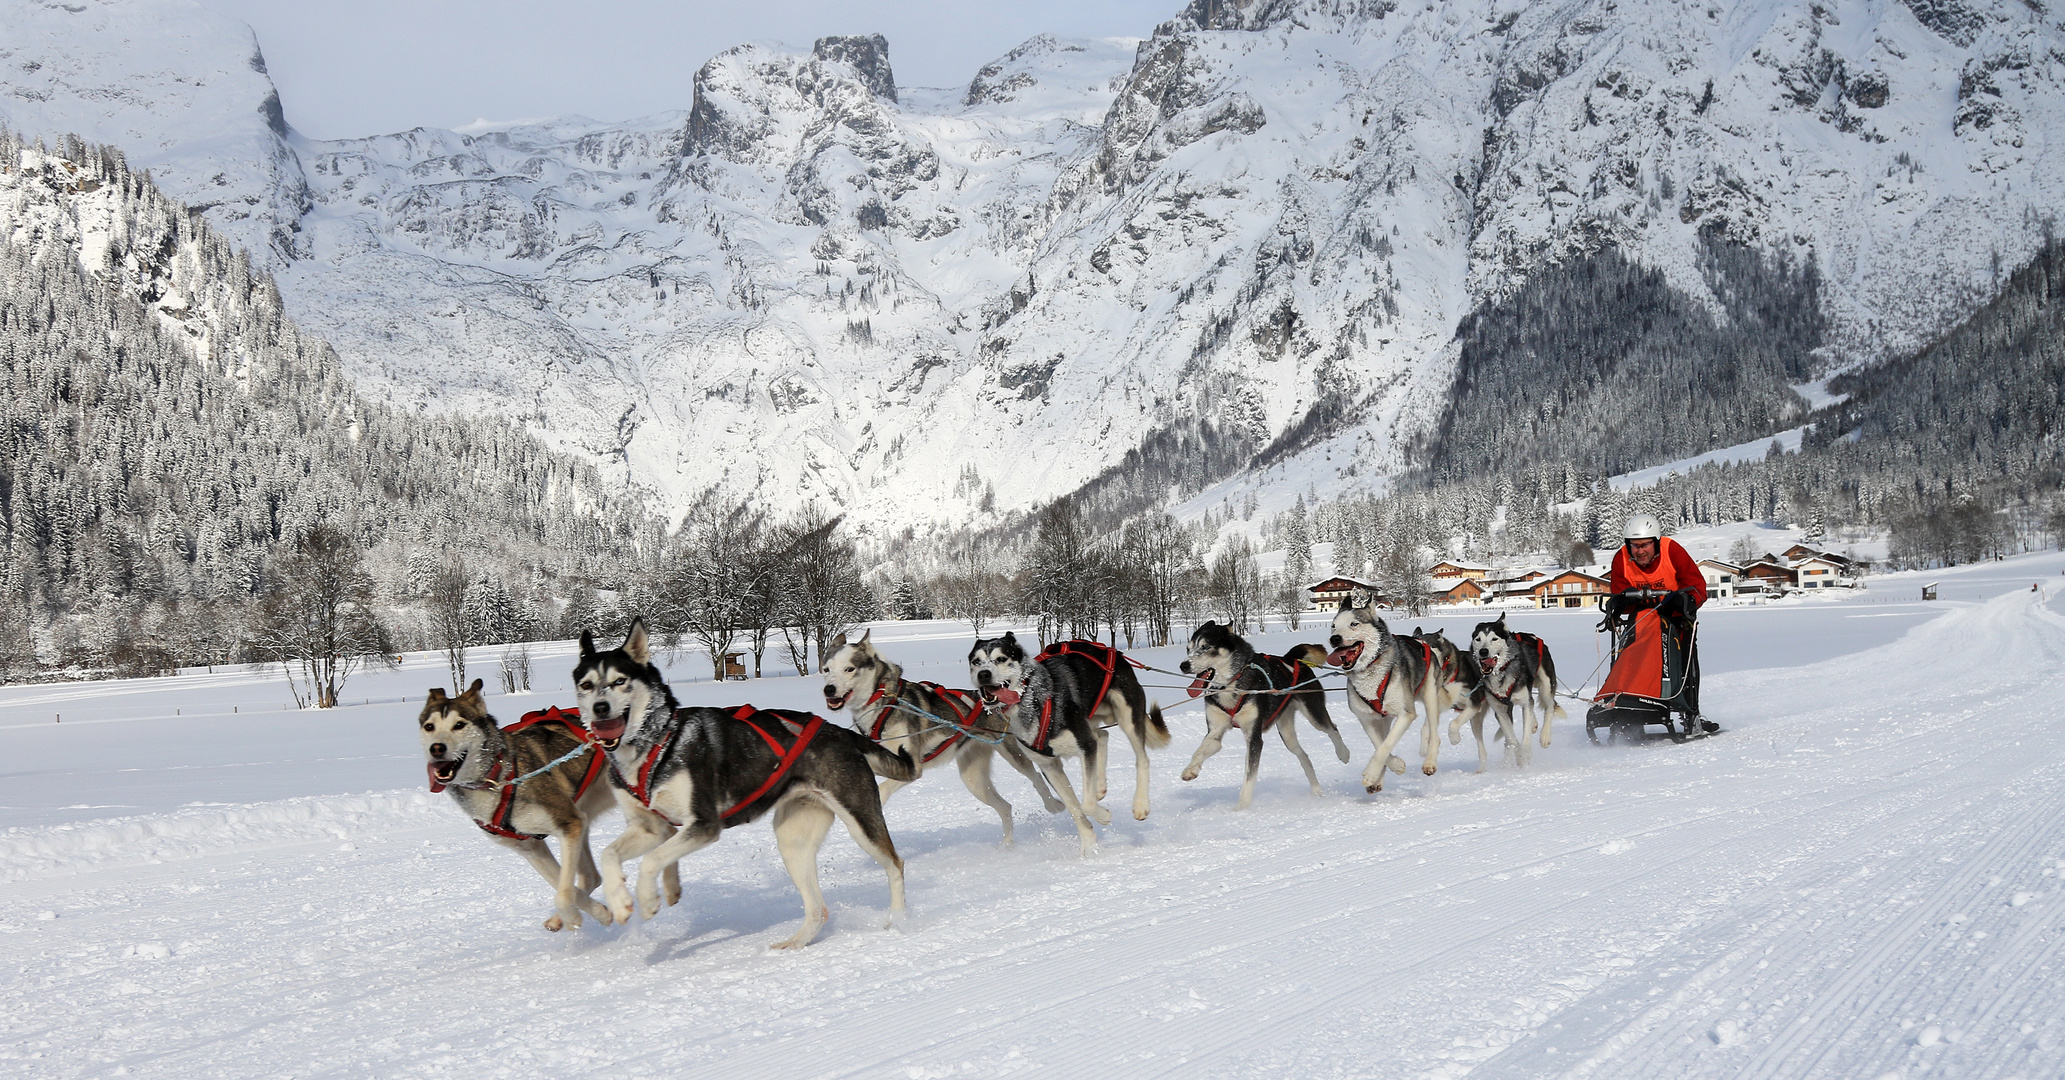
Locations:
{"points": [[1614, 605], [1679, 604]]}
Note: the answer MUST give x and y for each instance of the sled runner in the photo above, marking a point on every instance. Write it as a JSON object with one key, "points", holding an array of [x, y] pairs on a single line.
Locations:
{"points": [[1645, 686]]}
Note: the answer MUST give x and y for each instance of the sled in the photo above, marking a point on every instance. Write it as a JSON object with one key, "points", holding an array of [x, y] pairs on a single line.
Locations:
{"points": [[1645, 685]]}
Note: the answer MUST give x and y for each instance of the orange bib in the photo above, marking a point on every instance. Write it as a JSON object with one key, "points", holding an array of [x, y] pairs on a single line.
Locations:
{"points": [[1664, 575]]}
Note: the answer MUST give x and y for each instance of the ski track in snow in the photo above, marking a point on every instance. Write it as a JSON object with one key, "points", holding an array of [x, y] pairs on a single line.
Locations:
{"points": [[1861, 878]]}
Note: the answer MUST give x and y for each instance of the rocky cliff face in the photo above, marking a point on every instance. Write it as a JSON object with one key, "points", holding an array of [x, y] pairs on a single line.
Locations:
{"points": [[817, 285]]}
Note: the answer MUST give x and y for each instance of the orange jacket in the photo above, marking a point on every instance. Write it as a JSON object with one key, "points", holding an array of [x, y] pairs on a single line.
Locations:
{"points": [[1674, 569]]}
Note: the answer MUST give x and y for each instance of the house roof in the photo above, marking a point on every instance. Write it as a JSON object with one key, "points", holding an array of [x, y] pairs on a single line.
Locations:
{"points": [[1571, 574], [1340, 581], [1722, 563]]}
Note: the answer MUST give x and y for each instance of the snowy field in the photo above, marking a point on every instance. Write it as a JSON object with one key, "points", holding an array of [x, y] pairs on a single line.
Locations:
{"points": [[1862, 878]]}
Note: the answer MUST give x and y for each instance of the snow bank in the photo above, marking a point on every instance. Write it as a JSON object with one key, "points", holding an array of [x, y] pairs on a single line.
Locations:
{"points": [[28, 853]]}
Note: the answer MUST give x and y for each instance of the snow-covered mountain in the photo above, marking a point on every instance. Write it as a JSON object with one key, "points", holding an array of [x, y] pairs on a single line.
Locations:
{"points": [[816, 284]]}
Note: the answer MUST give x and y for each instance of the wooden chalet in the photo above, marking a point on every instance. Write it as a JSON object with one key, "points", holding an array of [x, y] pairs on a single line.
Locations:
{"points": [[1767, 575], [1447, 570], [1327, 595], [1800, 552], [1570, 589], [1458, 591]]}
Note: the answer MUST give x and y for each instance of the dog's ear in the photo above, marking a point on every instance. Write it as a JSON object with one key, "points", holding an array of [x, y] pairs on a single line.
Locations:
{"points": [[587, 643], [866, 636], [437, 696], [635, 644], [837, 643], [1011, 636]]}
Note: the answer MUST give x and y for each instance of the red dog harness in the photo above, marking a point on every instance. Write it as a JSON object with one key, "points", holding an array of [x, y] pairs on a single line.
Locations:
{"points": [[1299, 673], [1096, 652], [961, 703], [1378, 705], [803, 733], [498, 822], [641, 789]]}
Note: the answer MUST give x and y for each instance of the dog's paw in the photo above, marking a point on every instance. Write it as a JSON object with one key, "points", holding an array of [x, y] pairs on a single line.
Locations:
{"points": [[1139, 812], [1397, 765], [1190, 774], [1055, 806], [1427, 769], [1341, 754], [554, 924], [620, 910], [1100, 815]]}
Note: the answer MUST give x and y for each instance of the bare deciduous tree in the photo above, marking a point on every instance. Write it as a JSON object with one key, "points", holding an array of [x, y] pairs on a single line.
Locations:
{"points": [[316, 617], [450, 627]]}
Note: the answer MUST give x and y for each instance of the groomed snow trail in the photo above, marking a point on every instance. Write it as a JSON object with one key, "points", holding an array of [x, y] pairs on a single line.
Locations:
{"points": [[1862, 878]]}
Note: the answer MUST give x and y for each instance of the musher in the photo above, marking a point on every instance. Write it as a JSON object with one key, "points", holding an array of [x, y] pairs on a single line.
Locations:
{"points": [[1650, 560]]}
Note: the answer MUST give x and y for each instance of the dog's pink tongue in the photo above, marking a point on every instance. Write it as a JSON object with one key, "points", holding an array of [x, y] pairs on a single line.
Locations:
{"points": [[1006, 697], [1198, 687], [611, 728], [1344, 656], [436, 785]]}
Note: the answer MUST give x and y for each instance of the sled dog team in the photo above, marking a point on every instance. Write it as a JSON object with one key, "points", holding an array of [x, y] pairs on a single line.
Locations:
{"points": [[681, 776]]}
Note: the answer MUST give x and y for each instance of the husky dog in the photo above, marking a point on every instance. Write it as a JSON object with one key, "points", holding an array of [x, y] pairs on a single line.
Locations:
{"points": [[1518, 663], [1059, 703], [1252, 691], [701, 771], [1389, 686], [1463, 682], [470, 755], [1308, 654], [925, 720]]}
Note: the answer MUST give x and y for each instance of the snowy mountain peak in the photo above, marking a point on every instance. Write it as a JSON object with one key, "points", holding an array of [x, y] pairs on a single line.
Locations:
{"points": [[1260, 227]]}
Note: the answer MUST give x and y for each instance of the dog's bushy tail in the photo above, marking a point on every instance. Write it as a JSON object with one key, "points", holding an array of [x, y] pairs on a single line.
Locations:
{"points": [[897, 766], [1157, 734]]}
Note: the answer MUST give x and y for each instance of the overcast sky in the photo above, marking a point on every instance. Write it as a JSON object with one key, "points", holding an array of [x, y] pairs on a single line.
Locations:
{"points": [[370, 67]]}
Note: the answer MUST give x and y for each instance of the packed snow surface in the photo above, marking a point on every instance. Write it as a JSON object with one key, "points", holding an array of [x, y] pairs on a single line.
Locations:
{"points": [[1861, 878]]}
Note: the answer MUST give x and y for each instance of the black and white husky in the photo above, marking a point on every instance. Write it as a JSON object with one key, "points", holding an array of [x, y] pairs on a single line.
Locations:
{"points": [[521, 786], [932, 723], [1389, 686], [1517, 666], [1253, 691], [701, 771], [1058, 704]]}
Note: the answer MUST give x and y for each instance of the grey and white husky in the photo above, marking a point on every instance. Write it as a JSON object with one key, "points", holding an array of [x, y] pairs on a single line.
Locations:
{"points": [[1464, 685], [1389, 686], [702, 770], [1058, 704], [927, 721], [468, 754], [1517, 666], [1253, 691]]}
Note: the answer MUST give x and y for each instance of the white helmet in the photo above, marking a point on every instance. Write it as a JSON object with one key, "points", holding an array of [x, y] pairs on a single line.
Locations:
{"points": [[1642, 527]]}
